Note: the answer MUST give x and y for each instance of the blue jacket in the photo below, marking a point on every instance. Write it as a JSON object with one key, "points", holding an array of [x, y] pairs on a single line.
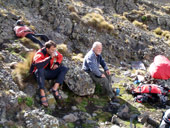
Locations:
{"points": [[91, 63]]}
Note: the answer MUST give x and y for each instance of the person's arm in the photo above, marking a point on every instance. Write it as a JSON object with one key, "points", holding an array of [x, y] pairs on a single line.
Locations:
{"points": [[40, 61], [92, 63], [59, 58], [103, 64]]}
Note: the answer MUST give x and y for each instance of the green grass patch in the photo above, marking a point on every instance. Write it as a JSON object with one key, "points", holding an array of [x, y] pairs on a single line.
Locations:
{"points": [[102, 116], [98, 89], [70, 125], [48, 111], [88, 125], [26, 100], [143, 18], [82, 105], [102, 101], [138, 125]]}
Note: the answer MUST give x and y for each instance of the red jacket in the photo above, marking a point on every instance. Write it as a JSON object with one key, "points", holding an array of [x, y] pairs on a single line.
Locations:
{"points": [[42, 59], [22, 31]]}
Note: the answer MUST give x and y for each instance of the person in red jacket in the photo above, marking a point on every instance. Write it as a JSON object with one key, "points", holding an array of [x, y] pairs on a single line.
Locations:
{"points": [[46, 65], [22, 30]]}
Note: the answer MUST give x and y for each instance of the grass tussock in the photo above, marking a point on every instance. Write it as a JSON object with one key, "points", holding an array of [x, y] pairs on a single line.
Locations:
{"points": [[62, 48], [21, 72], [162, 33], [158, 31], [168, 42], [3, 12], [97, 21], [123, 17], [71, 8], [75, 16], [77, 57], [28, 43], [167, 9], [140, 25]]}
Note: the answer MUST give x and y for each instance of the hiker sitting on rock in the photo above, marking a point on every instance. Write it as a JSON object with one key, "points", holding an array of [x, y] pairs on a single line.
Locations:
{"points": [[46, 66], [22, 30], [91, 64]]}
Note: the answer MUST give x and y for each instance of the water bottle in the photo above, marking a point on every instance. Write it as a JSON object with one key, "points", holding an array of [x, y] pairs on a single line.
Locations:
{"points": [[117, 91], [56, 54], [136, 82]]}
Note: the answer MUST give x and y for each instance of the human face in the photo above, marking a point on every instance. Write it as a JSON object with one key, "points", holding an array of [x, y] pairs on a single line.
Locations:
{"points": [[98, 49], [51, 50]]}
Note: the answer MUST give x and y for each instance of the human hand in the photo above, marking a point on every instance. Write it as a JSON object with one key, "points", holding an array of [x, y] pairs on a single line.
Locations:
{"points": [[55, 66], [108, 72], [103, 75], [52, 55]]}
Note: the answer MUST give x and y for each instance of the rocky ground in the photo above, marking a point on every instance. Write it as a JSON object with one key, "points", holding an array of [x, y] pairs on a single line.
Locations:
{"points": [[130, 30]]}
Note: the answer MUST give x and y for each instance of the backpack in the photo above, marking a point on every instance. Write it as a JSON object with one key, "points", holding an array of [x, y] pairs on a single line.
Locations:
{"points": [[150, 93]]}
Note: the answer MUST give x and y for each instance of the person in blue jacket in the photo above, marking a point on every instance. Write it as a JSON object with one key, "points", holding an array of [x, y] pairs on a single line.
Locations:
{"points": [[91, 63]]}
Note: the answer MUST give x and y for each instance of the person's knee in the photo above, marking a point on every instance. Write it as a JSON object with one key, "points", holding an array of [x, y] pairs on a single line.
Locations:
{"points": [[64, 69], [104, 80]]}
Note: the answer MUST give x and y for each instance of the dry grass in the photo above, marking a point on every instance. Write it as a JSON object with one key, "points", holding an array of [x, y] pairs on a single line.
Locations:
{"points": [[168, 42], [97, 21], [123, 17], [77, 3], [162, 33], [3, 12], [28, 43], [75, 16], [167, 9], [21, 72], [158, 31], [71, 8], [77, 57], [62, 48], [99, 10], [140, 25], [32, 27]]}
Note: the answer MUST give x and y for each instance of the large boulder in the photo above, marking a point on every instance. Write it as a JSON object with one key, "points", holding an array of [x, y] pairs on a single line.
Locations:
{"points": [[77, 80]]}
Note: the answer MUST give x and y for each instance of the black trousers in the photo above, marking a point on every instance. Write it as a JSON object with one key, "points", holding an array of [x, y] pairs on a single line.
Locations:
{"points": [[47, 74], [35, 40]]}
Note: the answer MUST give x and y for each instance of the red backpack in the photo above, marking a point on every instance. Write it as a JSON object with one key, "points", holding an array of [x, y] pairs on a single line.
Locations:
{"points": [[150, 93]]}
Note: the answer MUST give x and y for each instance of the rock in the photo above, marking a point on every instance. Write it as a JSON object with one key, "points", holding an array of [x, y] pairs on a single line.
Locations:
{"points": [[13, 65], [114, 126], [77, 80], [94, 114], [6, 81], [74, 108], [123, 112], [153, 122], [115, 120], [38, 118], [143, 118], [70, 118]]}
